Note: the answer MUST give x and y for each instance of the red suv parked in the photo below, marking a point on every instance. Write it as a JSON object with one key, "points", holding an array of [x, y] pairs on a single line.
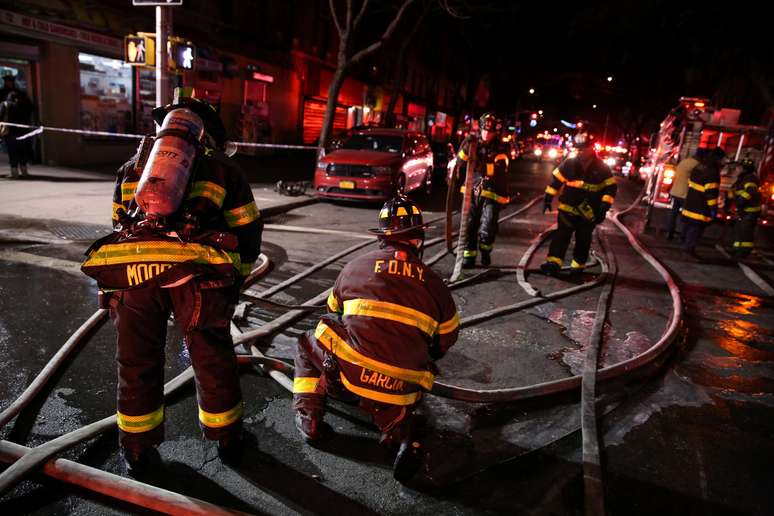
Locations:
{"points": [[373, 163]]}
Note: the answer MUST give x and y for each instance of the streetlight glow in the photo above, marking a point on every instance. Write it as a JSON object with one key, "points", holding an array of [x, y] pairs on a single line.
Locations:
{"points": [[609, 78], [594, 106], [540, 111], [532, 91]]}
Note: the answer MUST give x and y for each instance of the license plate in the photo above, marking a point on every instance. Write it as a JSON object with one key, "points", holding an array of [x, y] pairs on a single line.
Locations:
{"points": [[349, 185]]}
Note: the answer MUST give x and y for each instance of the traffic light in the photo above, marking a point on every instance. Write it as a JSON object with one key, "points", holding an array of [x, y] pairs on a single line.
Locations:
{"points": [[533, 116], [181, 55]]}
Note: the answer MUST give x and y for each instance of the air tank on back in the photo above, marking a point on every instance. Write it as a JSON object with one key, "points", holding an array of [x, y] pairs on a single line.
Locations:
{"points": [[165, 177]]}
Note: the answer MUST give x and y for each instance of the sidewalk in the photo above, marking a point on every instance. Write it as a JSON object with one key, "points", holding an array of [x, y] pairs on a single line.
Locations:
{"points": [[82, 196]]}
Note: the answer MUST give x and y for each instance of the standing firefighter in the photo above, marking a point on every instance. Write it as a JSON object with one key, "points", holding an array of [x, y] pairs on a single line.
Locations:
{"points": [[589, 191], [746, 195], [186, 233], [390, 317], [701, 203], [490, 190]]}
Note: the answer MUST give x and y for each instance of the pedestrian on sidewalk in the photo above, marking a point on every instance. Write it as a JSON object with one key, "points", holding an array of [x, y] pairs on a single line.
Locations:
{"points": [[679, 190], [701, 203], [390, 317], [186, 233], [17, 110]]}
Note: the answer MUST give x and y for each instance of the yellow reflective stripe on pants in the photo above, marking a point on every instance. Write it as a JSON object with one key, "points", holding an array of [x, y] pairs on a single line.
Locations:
{"points": [[341, 349], [208, 190], [744, 244], [142, 423], [242, 215], [391, 312], [485, 247], [305, 385], [554, 259], [333, 304], [128, 190], [156, 251], [469, 254], [489, 194], [576, 265], [220, 419], [570, 209], [392, 399], [752, 209], [695, 216]]}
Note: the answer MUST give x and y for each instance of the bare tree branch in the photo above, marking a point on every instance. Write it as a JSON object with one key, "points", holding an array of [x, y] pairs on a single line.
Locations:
{"points": [[387, 33], [335, 17], [360, 14], [452, 11], [348, 23]]}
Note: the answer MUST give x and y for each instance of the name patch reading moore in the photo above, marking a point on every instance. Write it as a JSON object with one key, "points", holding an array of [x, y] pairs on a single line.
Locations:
{"points": [[398, 268], [380, 380], [136, 273]]}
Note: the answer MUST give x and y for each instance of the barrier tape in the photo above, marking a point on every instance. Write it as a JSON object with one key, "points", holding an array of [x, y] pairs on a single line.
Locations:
{"points": [[38, 129]]}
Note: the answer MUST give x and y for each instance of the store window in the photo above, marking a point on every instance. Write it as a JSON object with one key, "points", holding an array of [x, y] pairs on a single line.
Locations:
{"points": [[106, 94]]}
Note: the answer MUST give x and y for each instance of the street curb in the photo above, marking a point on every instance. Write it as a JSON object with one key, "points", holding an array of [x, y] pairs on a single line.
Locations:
{"points": [[279, 209]]}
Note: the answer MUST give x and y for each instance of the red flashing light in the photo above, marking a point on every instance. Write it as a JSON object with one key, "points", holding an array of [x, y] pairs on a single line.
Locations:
{"points": [[533, 116], [579, 125]]}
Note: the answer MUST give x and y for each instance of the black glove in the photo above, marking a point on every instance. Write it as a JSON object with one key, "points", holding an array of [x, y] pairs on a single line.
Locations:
{"points": [[547, 200], [601, 214]]}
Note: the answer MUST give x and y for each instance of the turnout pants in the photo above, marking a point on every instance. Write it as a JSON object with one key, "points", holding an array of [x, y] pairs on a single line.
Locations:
{"points": [[482, 227], [744, 235], [694, 229], [203, 312], [567, 225], [318, 374]]}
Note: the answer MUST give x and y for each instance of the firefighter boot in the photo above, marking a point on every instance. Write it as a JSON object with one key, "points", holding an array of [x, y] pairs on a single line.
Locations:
{"points": [[230, 449], [469, 259], [550, 268], [23, 170], [311, 426], [141, 460], [408, 460], [486, 258]]}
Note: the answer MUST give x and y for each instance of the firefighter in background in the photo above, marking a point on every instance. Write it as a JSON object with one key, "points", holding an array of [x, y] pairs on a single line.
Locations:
{"points": [[746, 195], [390, 317], [701, 203], [589, 192], [186, 233], [490, 190]]}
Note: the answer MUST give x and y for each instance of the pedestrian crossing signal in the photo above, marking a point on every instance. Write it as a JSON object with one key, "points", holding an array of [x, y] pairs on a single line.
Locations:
{"points": [[139, 50]]}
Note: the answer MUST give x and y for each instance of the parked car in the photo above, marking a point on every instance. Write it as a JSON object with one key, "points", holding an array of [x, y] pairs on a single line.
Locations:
{"points": [[374, 164]]}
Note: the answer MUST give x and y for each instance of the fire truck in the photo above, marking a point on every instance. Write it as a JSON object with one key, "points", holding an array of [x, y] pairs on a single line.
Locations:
{"points": [[693, 125]]}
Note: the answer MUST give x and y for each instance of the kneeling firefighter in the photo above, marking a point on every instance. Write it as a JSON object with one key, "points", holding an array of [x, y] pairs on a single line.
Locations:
{"points": [[490, 190], [747, 197], [186, 233], [589, 192], [390, 316]]}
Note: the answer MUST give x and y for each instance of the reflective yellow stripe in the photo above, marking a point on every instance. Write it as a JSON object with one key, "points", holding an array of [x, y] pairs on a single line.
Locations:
{"points": [[116, 207], [744, 244], [490, 169], [576, 265], [754, 185], [450, 325], [570, 209], [246, 268], [305, 384], [242, 215], [753, 209], [485, 247], [384, 213], [550, 190], [392, 399], [154, 251], [695, 216], [744, 194], [578, 183], [391, 312], [220, 419], [695, 186], [139, 424], [609, 181], [501, 157], [608, 199], [340, 348], [401, 212], [127, 190], [208, 190], [557, 174], [497, 198], [461, 154], [469, 254], [712, 202], [710, 186], [333, 303], [554, 259]]}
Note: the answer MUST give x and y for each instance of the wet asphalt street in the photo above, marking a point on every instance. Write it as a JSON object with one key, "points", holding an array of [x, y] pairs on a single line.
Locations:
{"points": [[693, 435]]}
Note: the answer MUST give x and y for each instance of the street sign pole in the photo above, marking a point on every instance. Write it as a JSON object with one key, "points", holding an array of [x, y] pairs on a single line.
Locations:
{"points": [[162, 74]]}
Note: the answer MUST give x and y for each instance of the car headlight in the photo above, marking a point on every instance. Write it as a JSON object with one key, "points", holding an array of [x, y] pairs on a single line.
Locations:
{"points": [[381, 171], [322, 165], [552, 153], [610, 162], [538, 152]]}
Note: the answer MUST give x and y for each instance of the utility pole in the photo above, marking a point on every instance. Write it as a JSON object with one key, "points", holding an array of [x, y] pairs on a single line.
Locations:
{"points": [[163, 27]]}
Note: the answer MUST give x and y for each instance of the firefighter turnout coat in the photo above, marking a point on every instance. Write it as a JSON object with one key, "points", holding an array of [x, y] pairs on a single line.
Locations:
{"points": [[391, 315], [586, 192], [746, 194], [703, 191]]}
